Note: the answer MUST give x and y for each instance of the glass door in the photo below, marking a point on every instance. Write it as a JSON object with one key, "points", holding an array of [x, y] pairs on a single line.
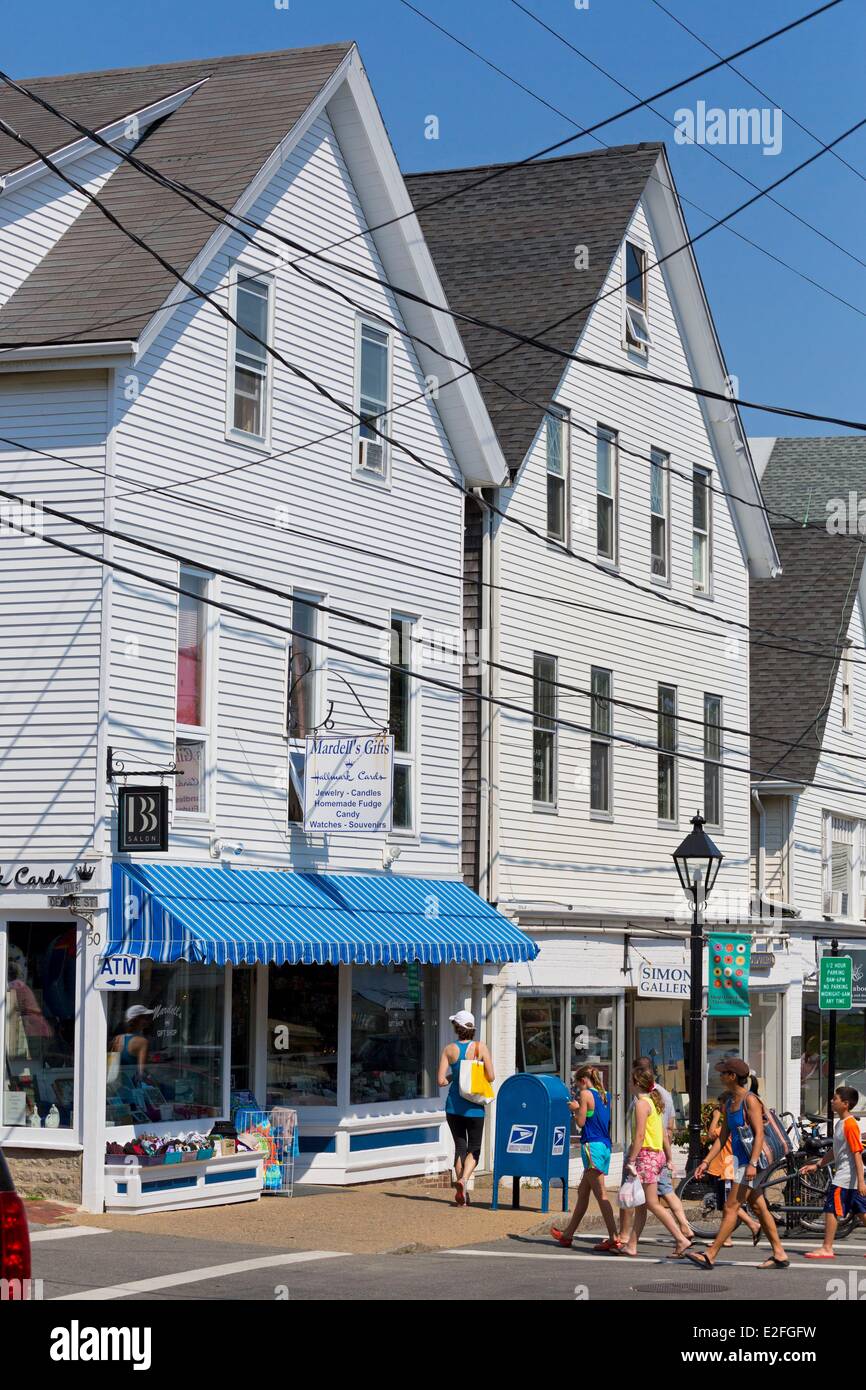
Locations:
{"points": [[764, 1045]]}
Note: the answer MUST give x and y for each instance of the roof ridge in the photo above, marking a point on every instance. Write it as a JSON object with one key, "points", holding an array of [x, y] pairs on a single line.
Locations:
{"points": [[540, 163], [344, 44]]}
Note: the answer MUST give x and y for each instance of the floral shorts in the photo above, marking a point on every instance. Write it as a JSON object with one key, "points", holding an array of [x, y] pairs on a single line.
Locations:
{"points": [[649, 1164]]}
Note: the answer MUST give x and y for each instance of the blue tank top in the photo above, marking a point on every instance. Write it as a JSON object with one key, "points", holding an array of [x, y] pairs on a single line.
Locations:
{"points": [[735, 1119], [597, 1127], [127, 1059], [454, 1103]]}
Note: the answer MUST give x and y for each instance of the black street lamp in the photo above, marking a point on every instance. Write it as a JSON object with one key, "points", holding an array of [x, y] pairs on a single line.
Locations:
{"points": [[698, 862]]}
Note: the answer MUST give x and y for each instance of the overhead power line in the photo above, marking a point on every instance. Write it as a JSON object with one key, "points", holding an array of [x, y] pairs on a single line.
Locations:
{"points": [[376, 662]]}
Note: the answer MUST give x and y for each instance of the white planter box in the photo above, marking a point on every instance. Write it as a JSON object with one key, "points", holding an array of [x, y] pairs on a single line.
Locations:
{"points": [[209, 1182]]}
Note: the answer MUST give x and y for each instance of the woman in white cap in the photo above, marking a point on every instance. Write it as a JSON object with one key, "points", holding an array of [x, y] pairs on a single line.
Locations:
{"points": [[132, 1046], [465, 1119]]}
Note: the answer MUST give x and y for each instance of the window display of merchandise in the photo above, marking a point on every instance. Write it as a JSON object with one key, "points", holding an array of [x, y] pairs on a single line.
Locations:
{"points": [[394, 1037], [165, 1054], [39, 1031]]}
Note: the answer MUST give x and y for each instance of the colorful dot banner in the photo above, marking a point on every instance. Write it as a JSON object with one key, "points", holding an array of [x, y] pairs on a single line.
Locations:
{"points": [[728, 973]]}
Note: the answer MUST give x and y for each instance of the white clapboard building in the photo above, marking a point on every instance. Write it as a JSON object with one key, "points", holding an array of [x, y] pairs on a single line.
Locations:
{"points": [[170, 464], [612, 583]]}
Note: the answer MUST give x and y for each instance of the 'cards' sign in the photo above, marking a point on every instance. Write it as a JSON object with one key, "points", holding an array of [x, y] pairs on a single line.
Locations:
{"points": [[142, 820], [348, 781]]}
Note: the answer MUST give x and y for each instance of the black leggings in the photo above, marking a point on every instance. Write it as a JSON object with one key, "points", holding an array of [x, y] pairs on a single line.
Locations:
{"points": [[467, 1132]]}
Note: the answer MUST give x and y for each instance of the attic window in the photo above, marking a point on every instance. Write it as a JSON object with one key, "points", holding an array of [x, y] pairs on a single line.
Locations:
{"points": [[637, 334]]}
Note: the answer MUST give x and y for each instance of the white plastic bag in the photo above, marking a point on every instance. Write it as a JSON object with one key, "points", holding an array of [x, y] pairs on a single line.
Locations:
{"points": [[631, 1193]]}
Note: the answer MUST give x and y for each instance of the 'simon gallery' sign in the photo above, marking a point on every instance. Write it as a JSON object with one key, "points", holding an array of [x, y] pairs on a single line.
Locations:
{"points": [[348, 783], [663, 981]]}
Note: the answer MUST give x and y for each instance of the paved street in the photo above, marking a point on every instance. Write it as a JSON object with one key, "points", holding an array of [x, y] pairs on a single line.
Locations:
{"points": [[94, 1264]]}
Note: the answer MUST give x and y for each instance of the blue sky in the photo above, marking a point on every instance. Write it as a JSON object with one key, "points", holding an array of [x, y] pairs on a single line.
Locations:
{"points": [[787, 341]]}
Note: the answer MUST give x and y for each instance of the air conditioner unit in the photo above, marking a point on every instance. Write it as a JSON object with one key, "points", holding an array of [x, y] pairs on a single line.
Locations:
{"points": [[371, 457], [836, 904]]}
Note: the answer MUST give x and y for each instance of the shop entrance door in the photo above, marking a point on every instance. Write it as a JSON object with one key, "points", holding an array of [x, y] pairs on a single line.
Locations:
{"points": [[764, 1045], [557, 1032]]}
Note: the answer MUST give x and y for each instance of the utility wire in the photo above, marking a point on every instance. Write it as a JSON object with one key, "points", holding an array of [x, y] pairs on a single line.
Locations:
{"points": [[238, 612], [713, 154]]}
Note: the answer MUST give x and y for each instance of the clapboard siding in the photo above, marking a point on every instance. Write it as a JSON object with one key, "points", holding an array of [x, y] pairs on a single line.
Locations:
{"points": [[838, 783], [566, 856], [282, 521], [50, 615]]}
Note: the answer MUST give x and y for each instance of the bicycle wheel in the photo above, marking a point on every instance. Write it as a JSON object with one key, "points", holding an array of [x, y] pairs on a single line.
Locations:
{"points": [[704, 1202]]}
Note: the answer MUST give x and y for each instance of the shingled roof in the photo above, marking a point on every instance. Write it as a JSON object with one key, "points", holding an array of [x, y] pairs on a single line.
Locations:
{"points": [[505, 251], [95, 285], [808, 607]]}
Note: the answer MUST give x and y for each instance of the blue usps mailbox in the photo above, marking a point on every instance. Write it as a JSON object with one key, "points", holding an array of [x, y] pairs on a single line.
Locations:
{"points": [[533, 1123]]}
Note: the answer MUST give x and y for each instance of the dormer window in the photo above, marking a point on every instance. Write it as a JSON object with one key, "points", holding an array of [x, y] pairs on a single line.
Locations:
{"points": [[637, 334]]}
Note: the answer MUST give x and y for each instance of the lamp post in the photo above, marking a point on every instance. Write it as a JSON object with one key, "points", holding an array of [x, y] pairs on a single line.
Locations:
{"points": [[697, 862]]}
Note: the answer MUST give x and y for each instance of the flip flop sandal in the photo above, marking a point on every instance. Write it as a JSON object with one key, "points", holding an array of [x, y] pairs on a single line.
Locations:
{"points": [[756, 1236], [817, 1255], [682, 1253], [560, 1239], [459, 1195], [773, 1263], [608, 1246], [700, 1259]]}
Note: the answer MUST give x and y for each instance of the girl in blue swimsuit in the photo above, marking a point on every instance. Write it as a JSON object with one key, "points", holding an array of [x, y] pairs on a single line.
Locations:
{"points": [[592, 1113]]}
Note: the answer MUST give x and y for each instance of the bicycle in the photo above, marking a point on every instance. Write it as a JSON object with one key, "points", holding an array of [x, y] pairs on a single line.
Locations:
{"points": [[795, 1202]]}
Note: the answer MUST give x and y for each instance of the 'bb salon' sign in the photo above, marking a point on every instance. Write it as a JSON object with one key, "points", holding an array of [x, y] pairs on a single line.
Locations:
{"points": [[142, 820], [663, 981]]}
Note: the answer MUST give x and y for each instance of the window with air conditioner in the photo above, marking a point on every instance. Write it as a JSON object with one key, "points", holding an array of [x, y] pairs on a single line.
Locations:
{"points": [[372, 455]]}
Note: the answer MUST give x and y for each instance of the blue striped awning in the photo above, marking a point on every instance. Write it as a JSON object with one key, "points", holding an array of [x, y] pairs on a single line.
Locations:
{"points": [[169, 912]]}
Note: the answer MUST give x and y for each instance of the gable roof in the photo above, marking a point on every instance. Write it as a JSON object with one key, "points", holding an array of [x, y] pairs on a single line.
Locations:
{"points": [[225, 127], [812, 600], [94, 285], [505, 252]]}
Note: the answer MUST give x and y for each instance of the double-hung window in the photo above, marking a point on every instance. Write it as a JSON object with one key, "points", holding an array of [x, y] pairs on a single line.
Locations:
{"points": [[659, 514], [844, 840], [304, 693], [250, 365], [702, 560], [637, 334], [192, 713], [558, 474], [543, 729], [373, 401], [667, 759], [606, 492], [403, 695], [713, 759], [601, 747]]}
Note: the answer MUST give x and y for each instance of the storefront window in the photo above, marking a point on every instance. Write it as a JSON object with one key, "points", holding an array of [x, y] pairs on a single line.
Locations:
{"points": [[302, 1034], [539, 1033], [165, 1058], [850, 1054], [243, 1020], [591, 1034], [661, 1028], [39, 1070], [723, 1040], [765, 1023], [394, 1033]]}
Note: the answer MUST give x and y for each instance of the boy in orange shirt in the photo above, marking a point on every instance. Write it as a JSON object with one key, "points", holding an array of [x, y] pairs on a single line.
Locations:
{"points": [[848, 1191]]}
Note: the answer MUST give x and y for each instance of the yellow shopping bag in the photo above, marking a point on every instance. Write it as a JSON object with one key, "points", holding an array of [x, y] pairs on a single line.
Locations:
{"points": [[474, 1085]]}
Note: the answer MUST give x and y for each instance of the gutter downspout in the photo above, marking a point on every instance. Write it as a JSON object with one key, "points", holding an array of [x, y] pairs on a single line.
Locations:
{"points": [[491, 890], [485, 610]]}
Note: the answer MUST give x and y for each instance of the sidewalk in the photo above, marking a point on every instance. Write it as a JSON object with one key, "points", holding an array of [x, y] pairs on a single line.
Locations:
{"points": [[366, 1219]]}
